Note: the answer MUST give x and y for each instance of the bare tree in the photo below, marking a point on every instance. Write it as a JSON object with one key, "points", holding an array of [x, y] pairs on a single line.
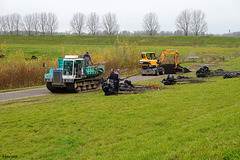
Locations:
{"points": [[151, 24], [43, 19], [28, 23], [77, 23], [93, 23], [183, 21], [36, 24], [17, 22], [9, 23], [198, 22], [110, 24], [52, 23], [3, 25]]}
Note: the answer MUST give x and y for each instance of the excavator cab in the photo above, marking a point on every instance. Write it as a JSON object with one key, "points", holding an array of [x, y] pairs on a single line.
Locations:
{"points": [[148, 56], [149, 64]]}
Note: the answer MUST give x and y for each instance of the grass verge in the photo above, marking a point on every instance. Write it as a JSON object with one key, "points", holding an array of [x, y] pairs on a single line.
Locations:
{"points": [[191, 121]]}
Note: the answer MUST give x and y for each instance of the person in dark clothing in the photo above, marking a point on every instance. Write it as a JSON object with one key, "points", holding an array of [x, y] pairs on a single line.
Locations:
{"points": [[88, 58], [110, 78], [116, 79], [111, 74]]}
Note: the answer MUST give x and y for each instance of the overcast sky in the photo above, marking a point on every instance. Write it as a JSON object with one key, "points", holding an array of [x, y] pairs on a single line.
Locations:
{"points": [[221, 15]]}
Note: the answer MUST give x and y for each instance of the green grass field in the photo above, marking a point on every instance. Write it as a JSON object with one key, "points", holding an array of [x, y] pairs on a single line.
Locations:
{"points": [[49, 48], [109, 40], [189, 121], [54, 46]]}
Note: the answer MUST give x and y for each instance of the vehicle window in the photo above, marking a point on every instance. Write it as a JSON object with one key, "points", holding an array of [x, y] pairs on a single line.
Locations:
{"points": [[151, 56], [77, 66], [68, 68]]}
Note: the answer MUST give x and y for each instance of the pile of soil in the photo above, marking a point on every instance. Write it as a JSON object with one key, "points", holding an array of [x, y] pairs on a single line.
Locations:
{"points": [[169, 68]]}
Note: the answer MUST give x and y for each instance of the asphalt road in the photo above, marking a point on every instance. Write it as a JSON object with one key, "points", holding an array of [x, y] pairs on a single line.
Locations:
{"points": [[14, 95]]}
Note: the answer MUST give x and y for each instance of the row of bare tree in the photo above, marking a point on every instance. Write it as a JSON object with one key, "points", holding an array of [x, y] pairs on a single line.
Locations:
{"points": [[44, 23], [192, 21], [188, 21], [92, 23]]}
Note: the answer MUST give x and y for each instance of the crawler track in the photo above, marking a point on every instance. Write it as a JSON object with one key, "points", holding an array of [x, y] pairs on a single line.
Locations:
{"points": [[83, 86]]}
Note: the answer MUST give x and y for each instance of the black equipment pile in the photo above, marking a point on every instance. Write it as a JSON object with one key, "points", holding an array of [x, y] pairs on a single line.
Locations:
{"points": [[204, 72], [109, 89], [231, 75], [170, 80]]}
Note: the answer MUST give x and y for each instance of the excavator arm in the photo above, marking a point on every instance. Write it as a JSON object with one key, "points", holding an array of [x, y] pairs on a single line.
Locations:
{"points": [[170, 51]]}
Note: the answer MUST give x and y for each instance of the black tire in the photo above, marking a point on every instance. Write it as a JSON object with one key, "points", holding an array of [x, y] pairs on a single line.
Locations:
{"points": [[162, 72], [156, 73], [143, 74]]}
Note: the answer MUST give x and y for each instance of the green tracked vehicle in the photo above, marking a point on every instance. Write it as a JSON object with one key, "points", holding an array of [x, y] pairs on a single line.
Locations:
{"points": [[73, 75]]}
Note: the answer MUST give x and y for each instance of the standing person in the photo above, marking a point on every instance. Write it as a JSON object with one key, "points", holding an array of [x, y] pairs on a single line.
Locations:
{"points": [[88, 58], [111, 74], [110, 78], [116, 79]]}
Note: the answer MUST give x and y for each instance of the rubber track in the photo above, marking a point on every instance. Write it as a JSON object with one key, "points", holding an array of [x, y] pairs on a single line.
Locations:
{"points": [[71, 88]]}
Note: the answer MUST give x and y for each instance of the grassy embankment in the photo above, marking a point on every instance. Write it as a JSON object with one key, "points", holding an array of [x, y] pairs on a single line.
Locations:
{"points": [[55, 46], [191, 121], [118, 51]]}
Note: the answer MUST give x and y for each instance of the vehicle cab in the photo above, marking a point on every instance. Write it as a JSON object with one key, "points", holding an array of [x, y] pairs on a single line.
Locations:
{"points": [[73, 68], [148, 59], [69, 68], [150, 64]]}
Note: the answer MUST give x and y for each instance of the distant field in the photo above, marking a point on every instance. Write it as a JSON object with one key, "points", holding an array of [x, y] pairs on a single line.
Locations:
{"points": [[50, 47], [190, 121], [109, 40]]}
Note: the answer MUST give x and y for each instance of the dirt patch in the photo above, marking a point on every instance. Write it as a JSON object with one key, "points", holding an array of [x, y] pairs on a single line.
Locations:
{"points": [[20, 101], [185, 81], [142, 89]]}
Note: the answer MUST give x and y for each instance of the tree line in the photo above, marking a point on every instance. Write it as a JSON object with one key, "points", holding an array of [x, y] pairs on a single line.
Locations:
{"points": [[188, 22], [36, 23]]}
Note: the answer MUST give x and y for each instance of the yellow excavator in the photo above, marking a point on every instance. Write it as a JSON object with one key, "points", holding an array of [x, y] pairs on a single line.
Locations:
{"points": [[152, 66]]}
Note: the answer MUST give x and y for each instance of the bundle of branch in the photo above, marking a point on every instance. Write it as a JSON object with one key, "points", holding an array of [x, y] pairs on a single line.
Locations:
{"points": [[231, 75], [170, 80]]}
